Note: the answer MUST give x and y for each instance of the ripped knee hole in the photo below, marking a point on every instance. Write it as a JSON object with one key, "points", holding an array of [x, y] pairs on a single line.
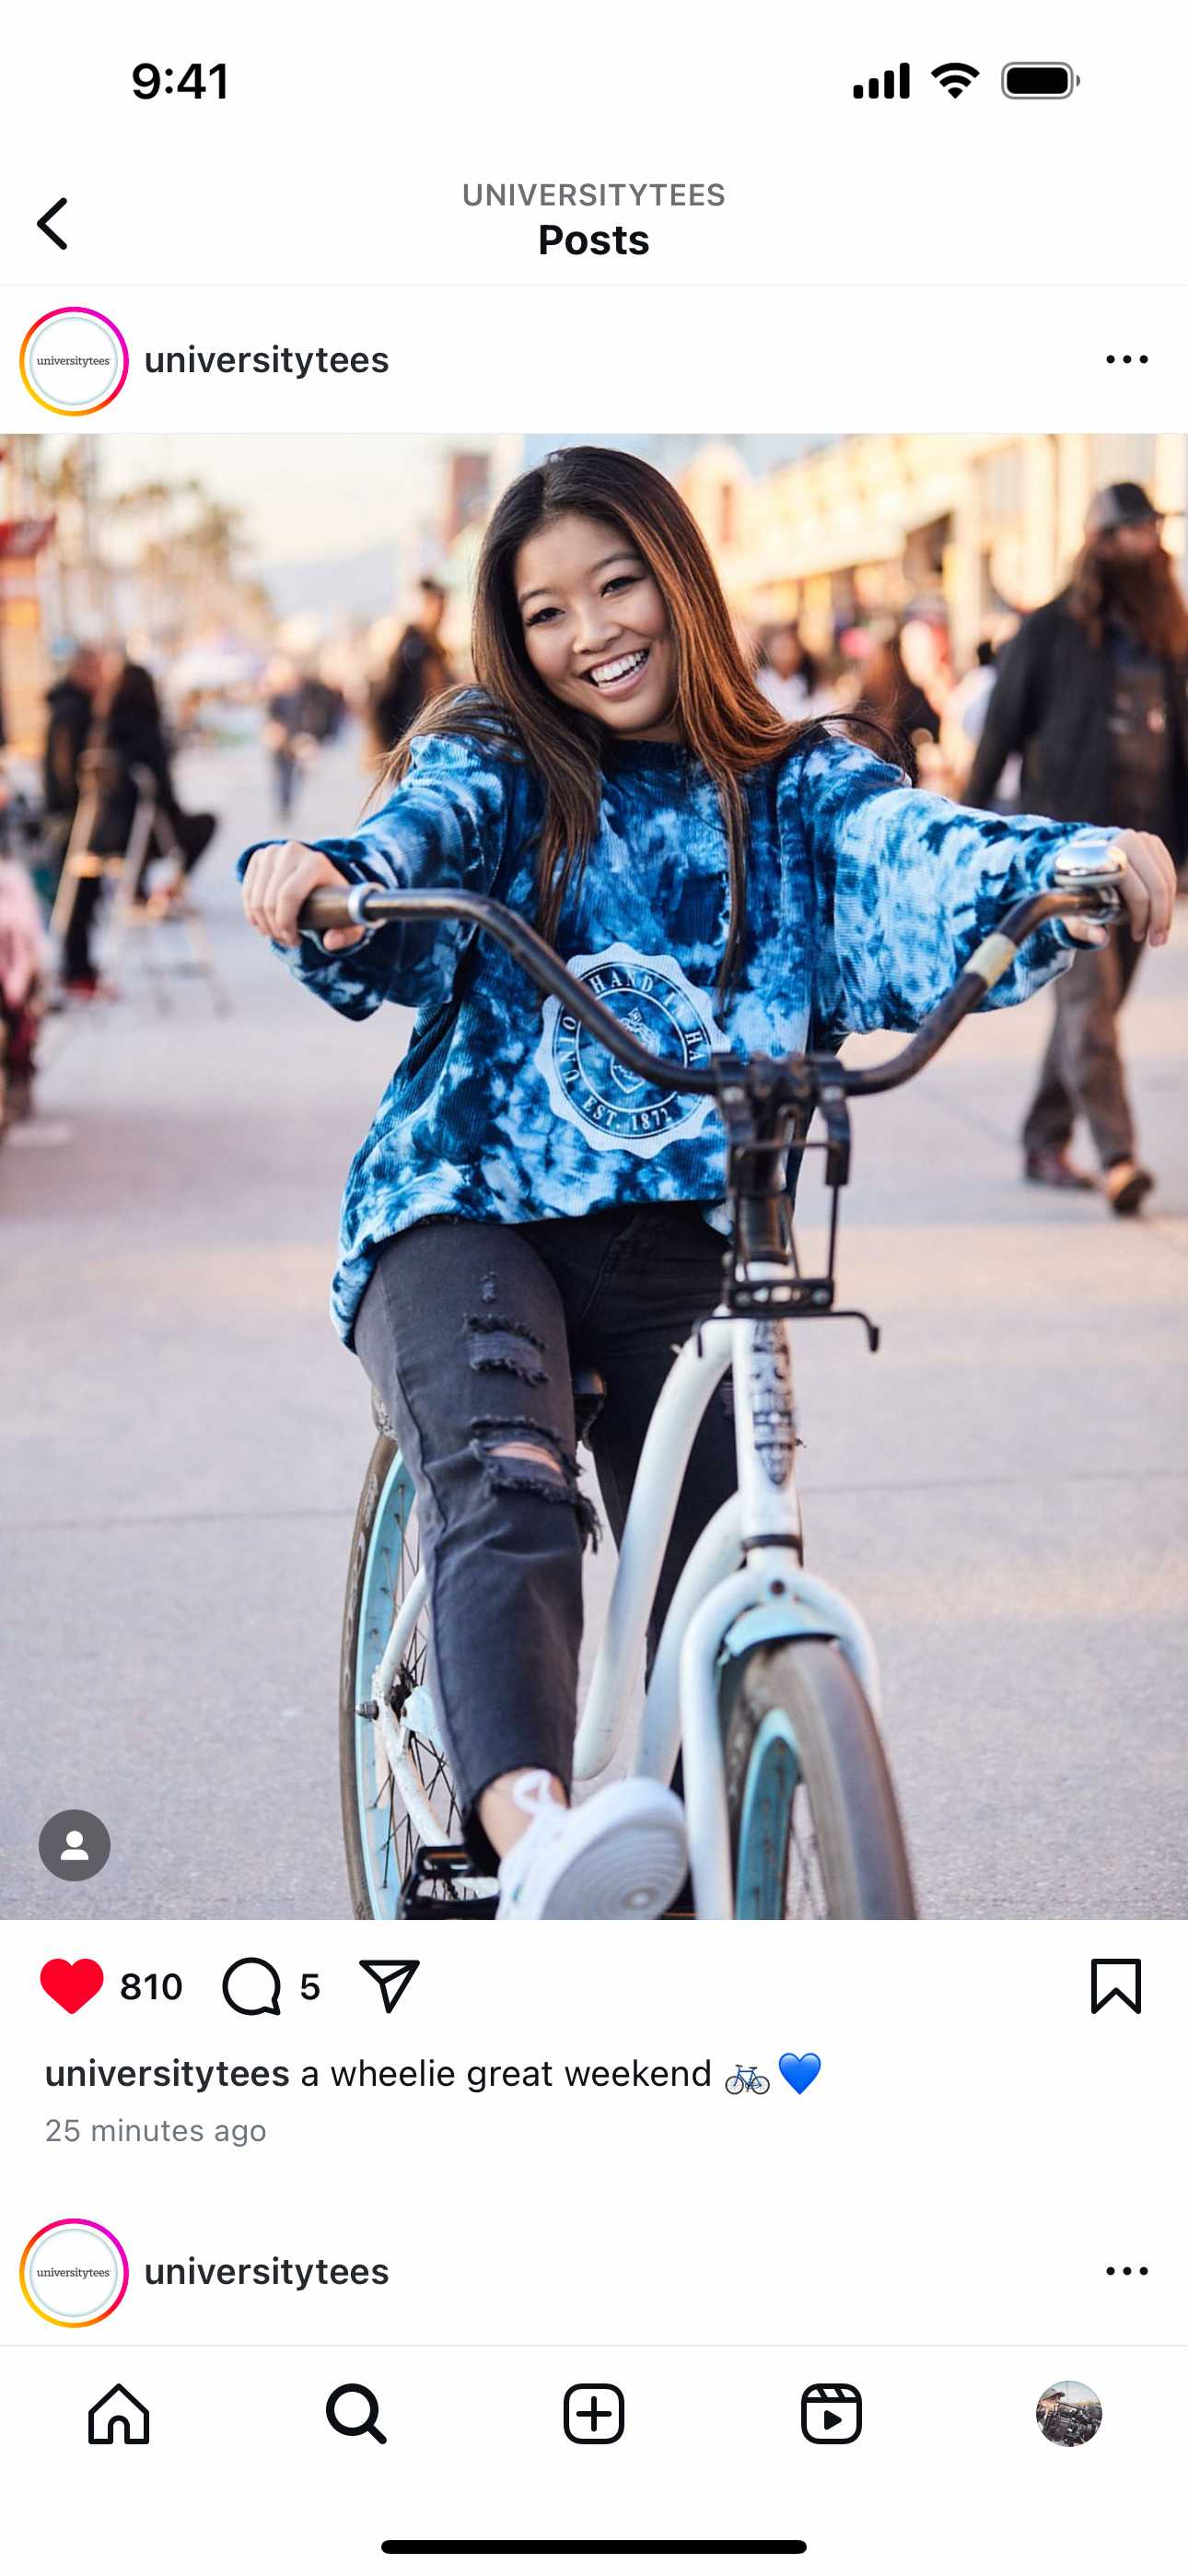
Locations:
{"points": [[495, 1342], [524, 1449], [528, 1459]]}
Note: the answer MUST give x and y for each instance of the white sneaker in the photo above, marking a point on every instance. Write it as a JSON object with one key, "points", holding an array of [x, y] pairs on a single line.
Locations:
{"points": [[619, 1858]]}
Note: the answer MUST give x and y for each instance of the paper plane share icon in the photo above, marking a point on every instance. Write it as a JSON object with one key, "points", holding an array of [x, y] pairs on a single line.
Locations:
{"points": [[392, 1976]]}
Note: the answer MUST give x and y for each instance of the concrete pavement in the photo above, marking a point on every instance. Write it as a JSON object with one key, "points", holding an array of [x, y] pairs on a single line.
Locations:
{"points": [[1003, 1489]]}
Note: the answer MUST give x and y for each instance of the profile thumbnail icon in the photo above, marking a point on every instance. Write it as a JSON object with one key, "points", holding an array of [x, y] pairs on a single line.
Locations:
{"points": [[1068, 2413], [74, 2272], [74, 360]]}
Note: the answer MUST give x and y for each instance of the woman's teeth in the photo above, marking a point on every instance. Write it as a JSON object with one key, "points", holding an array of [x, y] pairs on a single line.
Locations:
{"points": [[620, 670]]}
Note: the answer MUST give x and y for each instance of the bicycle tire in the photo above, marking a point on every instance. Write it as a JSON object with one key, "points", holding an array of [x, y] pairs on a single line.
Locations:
{"points": [[814, 1827], [380, 1836]]}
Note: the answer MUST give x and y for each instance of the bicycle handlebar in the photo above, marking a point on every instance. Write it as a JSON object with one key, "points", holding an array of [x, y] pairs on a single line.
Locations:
{"points": [[1090, 888]]}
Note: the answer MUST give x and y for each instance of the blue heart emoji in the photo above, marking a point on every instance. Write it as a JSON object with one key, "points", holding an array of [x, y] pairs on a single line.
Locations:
{"points": [[800, 2072]]}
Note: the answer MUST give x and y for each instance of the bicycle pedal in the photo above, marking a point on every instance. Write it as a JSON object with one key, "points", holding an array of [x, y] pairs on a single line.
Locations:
{"points": [[436, 1883], [427, 1909]]}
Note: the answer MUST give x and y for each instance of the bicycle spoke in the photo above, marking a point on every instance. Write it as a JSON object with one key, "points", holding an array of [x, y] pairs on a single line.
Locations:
{"points": [[387, 1846]]}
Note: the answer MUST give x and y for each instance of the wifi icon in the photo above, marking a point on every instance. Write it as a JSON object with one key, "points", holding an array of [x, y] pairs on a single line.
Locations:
{"points": [[955, 77]]}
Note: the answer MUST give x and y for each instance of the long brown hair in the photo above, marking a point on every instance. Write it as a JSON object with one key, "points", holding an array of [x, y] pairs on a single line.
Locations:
{"points": [[1144, 591], [720, 713]]}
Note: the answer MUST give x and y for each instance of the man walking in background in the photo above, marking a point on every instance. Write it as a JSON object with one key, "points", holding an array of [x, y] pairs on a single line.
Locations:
{"points": [[419, 669], [1093, 693], [73, 706], [70, 713]]}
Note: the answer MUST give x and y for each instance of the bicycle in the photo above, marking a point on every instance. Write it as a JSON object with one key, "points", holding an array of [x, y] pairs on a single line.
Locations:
{"points": [[747, 2079], [765, 1678]]}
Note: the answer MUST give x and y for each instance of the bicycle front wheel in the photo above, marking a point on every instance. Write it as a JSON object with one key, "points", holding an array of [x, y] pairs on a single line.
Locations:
{"points": [[396, 1789], [814, 1828]]}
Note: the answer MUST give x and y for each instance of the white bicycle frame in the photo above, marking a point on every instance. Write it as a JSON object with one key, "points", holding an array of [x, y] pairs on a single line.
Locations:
{"points": [[745, 1584]]}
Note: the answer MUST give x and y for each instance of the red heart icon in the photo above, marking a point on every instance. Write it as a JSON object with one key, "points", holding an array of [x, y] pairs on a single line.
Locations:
{"points": [[72, 1982]]}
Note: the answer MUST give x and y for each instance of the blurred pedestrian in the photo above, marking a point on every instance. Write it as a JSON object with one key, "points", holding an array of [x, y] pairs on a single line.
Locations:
{"points": [[303, 713], [789, 675], [282, 733], [73, 706], [927, 652], [22, 984], [139, 766], [71, 709], [1093, 693], [963, 722], [323, 711], [127, 760], [419, 670], [892, 697]]}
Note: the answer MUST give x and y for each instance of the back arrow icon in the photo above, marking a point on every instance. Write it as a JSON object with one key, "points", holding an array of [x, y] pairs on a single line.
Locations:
{"points": [[45, 226]]}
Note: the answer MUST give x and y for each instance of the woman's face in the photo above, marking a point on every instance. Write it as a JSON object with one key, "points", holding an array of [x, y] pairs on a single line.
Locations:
{"points": [[596, 627]]}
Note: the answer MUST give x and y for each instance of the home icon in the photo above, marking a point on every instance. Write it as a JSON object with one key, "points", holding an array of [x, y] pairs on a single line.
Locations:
{"points": [[118, 2413]]}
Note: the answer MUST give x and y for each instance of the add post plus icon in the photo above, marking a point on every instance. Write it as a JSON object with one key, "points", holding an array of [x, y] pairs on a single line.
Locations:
{"points": [[594, 2412]]}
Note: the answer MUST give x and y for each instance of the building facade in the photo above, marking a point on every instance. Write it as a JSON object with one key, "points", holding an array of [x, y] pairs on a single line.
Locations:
{"points": [[860, 528]]}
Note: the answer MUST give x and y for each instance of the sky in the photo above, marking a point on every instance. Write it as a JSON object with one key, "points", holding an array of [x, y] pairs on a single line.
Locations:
{"points": [[308, 497], [304, 496]]}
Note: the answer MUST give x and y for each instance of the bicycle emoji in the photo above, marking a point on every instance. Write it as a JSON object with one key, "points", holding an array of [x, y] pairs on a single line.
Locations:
{"points": [[747, 2079], [765, 1680]]}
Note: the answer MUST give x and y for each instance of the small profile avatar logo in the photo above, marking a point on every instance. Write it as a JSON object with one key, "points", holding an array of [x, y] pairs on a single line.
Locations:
{"points": [[74, 2272], [74, 360]]}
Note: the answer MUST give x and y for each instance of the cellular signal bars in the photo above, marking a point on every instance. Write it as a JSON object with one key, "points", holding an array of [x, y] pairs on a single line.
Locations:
{"points": [[886, 87]]}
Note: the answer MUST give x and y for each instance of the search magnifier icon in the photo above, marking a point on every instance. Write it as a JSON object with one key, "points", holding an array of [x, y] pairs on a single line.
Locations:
{"points": [[370, 2421]]}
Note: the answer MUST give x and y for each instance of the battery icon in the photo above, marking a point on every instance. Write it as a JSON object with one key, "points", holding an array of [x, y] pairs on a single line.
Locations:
{"points": [[1039, 80]]}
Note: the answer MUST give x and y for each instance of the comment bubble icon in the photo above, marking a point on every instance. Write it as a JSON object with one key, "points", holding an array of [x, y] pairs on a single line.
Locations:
{"points": [[252, 1986]]}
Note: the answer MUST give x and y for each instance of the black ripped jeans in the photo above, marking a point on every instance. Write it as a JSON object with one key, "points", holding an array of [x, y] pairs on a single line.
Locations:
{"points": [[472, 1333]]}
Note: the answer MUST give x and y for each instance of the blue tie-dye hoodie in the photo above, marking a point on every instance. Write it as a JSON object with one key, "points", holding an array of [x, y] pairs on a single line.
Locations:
{"points": [[864, 899]]}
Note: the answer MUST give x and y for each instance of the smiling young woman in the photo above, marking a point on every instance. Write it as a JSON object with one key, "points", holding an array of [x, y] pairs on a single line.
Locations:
{"points": [[520, 1208], [594, 618], [543, 615]]}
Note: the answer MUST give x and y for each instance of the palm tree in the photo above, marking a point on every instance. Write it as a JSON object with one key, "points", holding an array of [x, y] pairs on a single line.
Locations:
{"points": [[66, 479]]}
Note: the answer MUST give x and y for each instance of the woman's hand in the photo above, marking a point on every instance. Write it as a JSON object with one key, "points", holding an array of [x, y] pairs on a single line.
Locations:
{"points": [[1148, 892], [278, 879]]}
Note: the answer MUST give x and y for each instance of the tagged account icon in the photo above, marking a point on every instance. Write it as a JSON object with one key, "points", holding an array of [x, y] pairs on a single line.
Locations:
{"points": [[831, 2414]]}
